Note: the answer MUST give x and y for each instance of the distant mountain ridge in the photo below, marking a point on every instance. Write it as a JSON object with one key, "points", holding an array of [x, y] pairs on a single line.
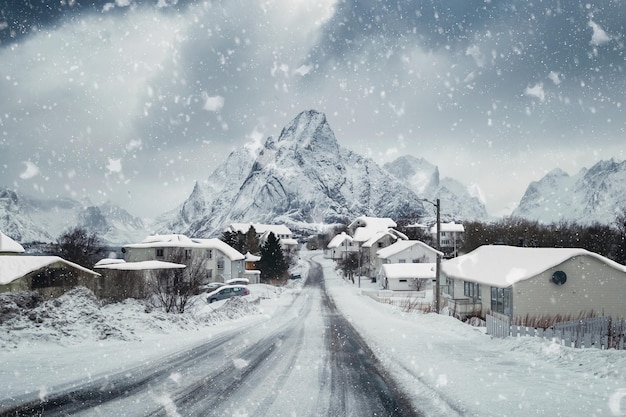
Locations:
{"points": [[596, 194], [29, 219], [305, 180]]}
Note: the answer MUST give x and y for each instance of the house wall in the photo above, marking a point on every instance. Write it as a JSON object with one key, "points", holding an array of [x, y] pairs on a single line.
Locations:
{"points": [[591, 286], [371, 261], [66, 279], [401, 284], [213, 264]]}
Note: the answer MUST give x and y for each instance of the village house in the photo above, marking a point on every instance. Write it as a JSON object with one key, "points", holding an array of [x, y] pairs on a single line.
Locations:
{"points": [[518, 282], [371, 234], [340, 246], [210, 259], [452, 236], [124, 280], [406, 276], [405, 252], [51, 276]]}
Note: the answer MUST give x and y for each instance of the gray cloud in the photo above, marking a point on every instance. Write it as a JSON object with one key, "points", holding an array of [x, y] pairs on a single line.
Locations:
{"points": [[131, 102]]}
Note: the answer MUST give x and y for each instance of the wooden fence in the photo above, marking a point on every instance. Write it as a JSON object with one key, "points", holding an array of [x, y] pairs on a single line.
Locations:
{"points": [[597, 332]]}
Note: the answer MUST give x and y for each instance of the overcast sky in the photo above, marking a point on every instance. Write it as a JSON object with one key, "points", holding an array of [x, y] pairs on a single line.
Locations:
{"points": [[133, 101]]}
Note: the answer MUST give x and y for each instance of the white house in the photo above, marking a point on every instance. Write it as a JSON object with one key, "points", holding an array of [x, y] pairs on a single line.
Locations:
{"points": [[371, 234], [212, 258], [519, 282], [339, 246], [406, 277], [451, 238], [405, 252]]}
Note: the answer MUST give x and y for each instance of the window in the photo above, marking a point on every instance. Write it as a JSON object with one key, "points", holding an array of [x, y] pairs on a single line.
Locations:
{"points": [[401, 261], [159, 253], [209, 253], [380, 244], [187, 253], [501, 300], [472, 290]]}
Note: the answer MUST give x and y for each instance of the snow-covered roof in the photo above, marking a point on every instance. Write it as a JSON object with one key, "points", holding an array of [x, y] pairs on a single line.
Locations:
{"points": [[410, 270], [8, 245], [138, 266], [402, 245], [502, 266], [448, 227], [365, 227], [13, 267], [277, 229], [252, 258], [375, 237], [162, 241], [338, 240], [288, 242], [214, 243]]}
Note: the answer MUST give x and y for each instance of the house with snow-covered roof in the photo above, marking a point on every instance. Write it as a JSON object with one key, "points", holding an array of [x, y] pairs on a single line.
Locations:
{"points": [[340, 246], [210, 259], [517, 282], [406, 276], [51, 276], [370, 235], [404, 252], [122, 280], [451, 238]]}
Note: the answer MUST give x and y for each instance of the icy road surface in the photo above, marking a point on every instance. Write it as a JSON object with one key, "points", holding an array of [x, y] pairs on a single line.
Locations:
{"points": [[306, 360]]}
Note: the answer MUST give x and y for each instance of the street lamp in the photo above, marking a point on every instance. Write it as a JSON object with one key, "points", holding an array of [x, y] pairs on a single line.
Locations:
{"points": [[438, 262]]}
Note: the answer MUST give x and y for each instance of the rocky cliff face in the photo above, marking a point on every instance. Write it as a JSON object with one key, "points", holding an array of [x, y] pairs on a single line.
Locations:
{"points": [[597, 194], [303, 179], [458, 202]]}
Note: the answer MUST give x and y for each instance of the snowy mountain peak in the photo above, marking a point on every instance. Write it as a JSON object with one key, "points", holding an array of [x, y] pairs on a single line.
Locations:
{"points": [[597, 194]]}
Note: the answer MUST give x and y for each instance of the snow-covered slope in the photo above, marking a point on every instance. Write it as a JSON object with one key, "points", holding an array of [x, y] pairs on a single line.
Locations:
{"points": [[28, 219], [597, 194], [302, 179], [458, 202]]}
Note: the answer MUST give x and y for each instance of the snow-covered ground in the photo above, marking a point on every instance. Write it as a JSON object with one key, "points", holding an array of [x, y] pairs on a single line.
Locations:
{"points": [[431, 356]]}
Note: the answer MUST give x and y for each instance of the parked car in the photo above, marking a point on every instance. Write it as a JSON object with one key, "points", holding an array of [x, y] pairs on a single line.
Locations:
{"points": [[227, 291], [211, 286], [238, 281], [295, 276]]}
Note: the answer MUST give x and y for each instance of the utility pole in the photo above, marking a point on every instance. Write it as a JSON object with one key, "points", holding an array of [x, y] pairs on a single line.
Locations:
{"points": [[437, 205], [438, 263]]}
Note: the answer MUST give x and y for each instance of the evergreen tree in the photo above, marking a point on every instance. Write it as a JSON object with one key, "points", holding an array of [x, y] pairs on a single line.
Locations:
{"points": [[272, 264], [252, 241]]}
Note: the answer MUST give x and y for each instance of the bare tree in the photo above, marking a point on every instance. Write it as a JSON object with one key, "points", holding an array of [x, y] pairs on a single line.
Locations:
{"points": [[418, 284], [173, 288]]}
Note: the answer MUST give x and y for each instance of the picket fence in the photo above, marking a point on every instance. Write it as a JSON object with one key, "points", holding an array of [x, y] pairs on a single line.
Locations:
{"points": [[597, 332]]}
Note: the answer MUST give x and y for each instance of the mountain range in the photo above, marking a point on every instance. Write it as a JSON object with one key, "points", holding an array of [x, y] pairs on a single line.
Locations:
{"points": [[305, 180], [594, 195]]}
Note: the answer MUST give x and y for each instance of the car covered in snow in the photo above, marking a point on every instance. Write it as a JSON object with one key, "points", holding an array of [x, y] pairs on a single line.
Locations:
{"points": [[237, 281], [226, 292]]}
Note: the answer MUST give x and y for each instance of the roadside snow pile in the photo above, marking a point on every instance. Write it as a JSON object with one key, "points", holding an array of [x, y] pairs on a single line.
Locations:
{"points": [[78, 316], [74, 316]]}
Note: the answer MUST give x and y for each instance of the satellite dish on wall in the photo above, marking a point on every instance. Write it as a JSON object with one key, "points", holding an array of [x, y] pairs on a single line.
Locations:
{"points": [[559, 277]]}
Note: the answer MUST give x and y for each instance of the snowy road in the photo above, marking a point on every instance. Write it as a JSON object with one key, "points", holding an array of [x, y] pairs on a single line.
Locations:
{"points": [[304, 360]]}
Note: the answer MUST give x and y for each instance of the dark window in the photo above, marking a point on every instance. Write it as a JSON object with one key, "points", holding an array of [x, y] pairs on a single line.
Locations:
{"points": [[501, 300], [159, 253]]}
